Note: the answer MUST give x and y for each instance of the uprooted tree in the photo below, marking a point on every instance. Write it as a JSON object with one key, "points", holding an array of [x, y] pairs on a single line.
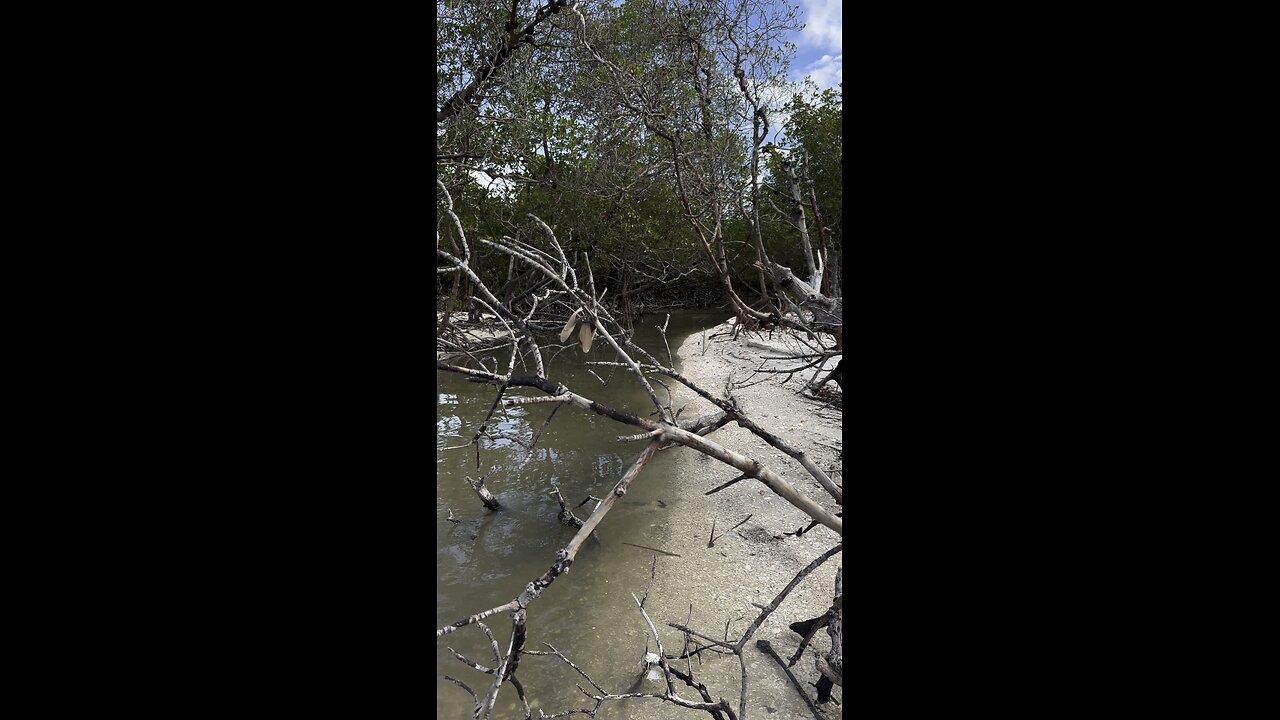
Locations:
{"points": [[640, 130]]}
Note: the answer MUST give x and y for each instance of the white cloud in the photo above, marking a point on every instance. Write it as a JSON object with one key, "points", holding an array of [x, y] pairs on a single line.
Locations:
{"points": [[826, 71], [824, 22]]}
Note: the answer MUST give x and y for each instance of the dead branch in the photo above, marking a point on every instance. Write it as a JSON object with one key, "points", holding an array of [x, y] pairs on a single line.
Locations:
{"points": [[808, 629], [564, 559], [524, 701], [588, 499], [467, 661], [486, 497], [719, 710], [566, 515], [464, 686], [685, 628], [588, 305], [777, 601], [752, 468], [525, 334], [732, 410], [712, 708]]}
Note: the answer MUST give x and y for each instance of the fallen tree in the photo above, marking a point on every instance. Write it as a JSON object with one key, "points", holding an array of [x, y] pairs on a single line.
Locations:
{"points": [[585, 320]]}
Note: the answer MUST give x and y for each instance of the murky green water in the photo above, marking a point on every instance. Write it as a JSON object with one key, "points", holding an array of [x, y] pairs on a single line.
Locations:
{"points": [[486, 559]]}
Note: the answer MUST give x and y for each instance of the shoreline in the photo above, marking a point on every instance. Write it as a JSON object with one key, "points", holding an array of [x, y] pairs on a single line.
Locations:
{"points": [[748, 563]]}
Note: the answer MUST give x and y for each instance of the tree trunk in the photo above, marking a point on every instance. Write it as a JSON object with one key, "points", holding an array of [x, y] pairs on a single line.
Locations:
{"points": [[822, 233], [797, 221]]}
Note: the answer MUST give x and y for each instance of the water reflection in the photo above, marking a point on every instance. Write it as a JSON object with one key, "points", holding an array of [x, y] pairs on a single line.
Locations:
{"points": [[486, 558]]}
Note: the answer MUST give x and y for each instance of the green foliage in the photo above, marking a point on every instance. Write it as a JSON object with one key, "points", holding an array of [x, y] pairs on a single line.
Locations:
{"points": [[556, 124], [815, 125]]}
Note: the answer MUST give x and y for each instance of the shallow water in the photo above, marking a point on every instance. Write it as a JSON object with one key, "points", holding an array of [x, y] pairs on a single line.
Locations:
{"points": [[488, 557]]}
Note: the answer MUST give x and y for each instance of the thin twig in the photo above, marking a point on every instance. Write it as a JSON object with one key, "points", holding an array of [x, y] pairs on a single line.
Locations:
{"points": [[646, 547]]}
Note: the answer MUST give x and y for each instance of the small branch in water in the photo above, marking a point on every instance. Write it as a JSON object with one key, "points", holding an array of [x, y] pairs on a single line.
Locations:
{"points": [[566, 515], [462, 685], [486, 497], [468, 661], [735, 527], [589, 499], [646, 547], [670, 358], [712, 541]]}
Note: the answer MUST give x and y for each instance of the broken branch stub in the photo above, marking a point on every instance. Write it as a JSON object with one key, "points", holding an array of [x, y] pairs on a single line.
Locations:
{"points": [[486, 497]]}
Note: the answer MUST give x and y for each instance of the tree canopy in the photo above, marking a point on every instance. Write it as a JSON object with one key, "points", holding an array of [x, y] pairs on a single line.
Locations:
{"points": [[638, 130]]}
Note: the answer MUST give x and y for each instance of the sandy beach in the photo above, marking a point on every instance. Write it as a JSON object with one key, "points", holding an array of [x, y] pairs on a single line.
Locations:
{"points": [[755, 561]]}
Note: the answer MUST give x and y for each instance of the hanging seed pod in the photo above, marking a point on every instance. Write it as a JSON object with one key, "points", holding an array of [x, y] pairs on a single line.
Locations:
{"points": [[569, 326], [584, 336]]}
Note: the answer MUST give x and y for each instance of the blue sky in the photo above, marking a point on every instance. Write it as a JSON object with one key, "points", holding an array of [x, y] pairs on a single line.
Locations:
{"points": [[819, 54]]}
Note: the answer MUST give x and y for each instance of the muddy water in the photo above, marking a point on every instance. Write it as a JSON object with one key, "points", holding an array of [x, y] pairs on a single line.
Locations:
{"points": [[487, 558]]}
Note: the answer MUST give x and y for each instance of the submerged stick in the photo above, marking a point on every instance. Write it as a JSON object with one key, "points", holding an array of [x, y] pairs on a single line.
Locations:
{"points": [[646, 547]]}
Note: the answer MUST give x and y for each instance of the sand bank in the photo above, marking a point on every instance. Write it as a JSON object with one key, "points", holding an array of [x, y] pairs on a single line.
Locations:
{"points": [[749, 564]]}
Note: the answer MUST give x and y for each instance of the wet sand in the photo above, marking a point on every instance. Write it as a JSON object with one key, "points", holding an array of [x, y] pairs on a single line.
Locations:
{"points": [[748, 564]]}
